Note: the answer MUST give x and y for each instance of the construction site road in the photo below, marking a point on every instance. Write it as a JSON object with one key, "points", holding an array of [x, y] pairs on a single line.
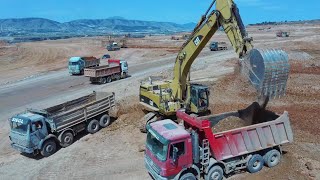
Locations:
{"points": [[19, 95]]}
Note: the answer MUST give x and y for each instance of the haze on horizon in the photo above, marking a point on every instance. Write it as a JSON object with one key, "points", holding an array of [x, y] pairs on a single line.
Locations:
{"points": [[178, 11]]}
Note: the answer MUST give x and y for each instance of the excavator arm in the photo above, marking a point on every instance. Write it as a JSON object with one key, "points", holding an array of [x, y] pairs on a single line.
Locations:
{"points": [[226, 15]]}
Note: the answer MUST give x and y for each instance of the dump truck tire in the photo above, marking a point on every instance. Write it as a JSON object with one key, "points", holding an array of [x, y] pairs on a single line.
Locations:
{"points": [[215, 173], [105, 121], [93, 126], [272, 158], [188, 176], [125, 75], [66, 139], [109, 79], [255, 163], [117, 77], [103, 80], [49, 147]]}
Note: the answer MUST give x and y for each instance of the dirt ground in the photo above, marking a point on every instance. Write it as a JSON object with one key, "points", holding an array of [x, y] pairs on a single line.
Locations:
{"points": [[116, 151]]}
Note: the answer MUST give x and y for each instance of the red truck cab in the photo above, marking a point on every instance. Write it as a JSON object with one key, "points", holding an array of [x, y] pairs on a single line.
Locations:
{"points": [[168, 149]]}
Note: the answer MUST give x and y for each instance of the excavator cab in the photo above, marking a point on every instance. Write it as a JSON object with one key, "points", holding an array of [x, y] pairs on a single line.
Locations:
{"points": [[199, 99]]}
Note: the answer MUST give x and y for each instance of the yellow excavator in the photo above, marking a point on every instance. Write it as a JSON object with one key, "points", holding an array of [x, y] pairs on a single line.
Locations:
{"points": [[267, 70]]}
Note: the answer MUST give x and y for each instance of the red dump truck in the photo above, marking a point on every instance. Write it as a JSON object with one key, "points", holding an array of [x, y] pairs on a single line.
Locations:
{"points": [[115, 70], [193, 151]]}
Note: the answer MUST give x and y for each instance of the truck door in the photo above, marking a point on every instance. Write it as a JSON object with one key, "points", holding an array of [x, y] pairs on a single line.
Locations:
{"points": [[181, 160], [38, 132]]}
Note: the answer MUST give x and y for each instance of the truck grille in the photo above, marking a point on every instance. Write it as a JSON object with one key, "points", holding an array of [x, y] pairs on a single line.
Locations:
{"points": [[19, 141], [151, 164]]}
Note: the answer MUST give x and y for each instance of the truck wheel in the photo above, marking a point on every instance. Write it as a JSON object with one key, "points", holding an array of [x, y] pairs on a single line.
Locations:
{"points": [[48, 148], [82, 72], [117, 77], [109, 79], [188, 176], [66, 139], [124, 75], [105, 120], [215, 173], [93, 126], [255, 163], [103, 80], [272, 158]]}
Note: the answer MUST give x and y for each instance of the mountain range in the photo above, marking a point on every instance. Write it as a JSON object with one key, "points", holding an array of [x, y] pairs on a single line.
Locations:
{"points": [[11, 27]]}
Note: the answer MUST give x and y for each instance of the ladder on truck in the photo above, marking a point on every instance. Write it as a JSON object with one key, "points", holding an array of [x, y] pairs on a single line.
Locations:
{"points": [[205, 151]]}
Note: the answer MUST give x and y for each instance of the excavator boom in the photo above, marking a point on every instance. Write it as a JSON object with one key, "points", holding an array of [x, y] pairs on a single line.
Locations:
{"points": [[269, 80]]}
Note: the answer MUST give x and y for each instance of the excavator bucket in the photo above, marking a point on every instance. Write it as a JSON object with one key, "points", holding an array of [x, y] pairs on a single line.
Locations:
{"points": [[268, 71]]}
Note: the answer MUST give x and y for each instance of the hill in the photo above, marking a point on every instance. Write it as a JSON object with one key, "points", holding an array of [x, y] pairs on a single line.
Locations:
{"points": [[11, 27]]}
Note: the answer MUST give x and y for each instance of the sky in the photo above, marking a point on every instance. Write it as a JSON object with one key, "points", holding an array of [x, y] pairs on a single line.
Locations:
{"points": [[178, 11]]}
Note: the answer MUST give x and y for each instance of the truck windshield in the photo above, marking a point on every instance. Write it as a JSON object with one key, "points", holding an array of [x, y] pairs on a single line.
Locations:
{"points": [[156, 147], [19, 127], [73, 63]]}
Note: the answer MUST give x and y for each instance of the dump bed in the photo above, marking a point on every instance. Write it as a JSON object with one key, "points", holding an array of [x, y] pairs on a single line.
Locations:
{"points": [[78, 110], [91, 61], [252, 138], [102, 71], [244, 140]]}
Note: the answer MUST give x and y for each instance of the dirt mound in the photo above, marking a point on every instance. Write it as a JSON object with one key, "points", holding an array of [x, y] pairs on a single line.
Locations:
{"points": [[127, 112], [228, 124]]}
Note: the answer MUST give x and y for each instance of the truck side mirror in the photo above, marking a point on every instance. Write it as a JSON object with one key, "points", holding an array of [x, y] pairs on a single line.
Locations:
{"points": [[33, 127], [175, 154]]}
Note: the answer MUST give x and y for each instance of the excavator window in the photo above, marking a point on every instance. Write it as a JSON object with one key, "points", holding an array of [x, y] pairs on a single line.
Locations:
{"points": [[203, 98], [194, 97]]}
